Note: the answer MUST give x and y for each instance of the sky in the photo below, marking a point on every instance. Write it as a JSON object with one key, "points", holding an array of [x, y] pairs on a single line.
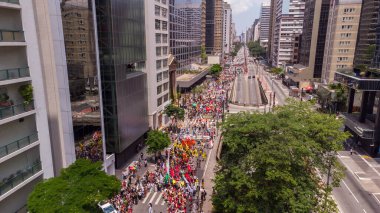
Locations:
{"points": [[244, 12]]}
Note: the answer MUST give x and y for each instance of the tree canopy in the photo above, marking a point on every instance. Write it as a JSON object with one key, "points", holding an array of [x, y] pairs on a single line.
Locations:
{"points": [[277, 70], [269, 162], [256, 49], [174, 111], [79, 188], [215, 69], [157, 141]]}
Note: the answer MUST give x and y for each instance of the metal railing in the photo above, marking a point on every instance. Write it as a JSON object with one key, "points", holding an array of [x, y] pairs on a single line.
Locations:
{"points": [[19, 144], [12, 181], [9, 74], [11, 35], [6, 112], [11, 1]]}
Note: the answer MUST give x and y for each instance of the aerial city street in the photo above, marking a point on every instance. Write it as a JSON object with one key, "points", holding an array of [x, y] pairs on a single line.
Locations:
{"points": [[190, 106]]}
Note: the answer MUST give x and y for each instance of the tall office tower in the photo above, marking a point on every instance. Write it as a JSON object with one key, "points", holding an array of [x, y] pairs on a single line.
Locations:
{"points": [[227, 21], [187, 30], [210, 26], [288, 27], [157, 68], [255, 30], [265, 17], [121, 41], [341, 37], [368, 30], [314, 36], [25, 147], [218, 33]]}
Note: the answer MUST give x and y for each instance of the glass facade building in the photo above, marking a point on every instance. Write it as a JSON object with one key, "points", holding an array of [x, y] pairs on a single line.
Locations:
{"points": [[105, 51], [368, 29], [210, 25]]}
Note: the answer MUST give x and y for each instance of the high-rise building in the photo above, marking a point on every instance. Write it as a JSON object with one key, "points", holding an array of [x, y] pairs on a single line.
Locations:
{"points": [[227, 28], [314, 36], [157, 67], [218, 32], [256, 31], [341, 37], [214, 26], [107, 94], [368, 30], [187, 30], [25, 146], [265, 17], [288, 27]]}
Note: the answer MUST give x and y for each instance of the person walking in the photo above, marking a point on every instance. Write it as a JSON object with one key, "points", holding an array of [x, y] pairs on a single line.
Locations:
{"points": [[150, 208], [351, 150]]}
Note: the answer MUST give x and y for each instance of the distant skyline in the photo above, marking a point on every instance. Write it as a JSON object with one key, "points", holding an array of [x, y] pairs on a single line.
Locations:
{"points": [[244, 12]]}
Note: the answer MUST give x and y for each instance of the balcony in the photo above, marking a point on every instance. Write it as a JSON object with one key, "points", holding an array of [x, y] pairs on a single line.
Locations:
{"points": [[11, 36], [17, 145], [11, 1], [12, 74], [16, 179], [13, 110]]}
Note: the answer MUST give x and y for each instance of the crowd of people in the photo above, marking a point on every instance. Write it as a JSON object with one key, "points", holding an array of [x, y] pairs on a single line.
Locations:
{"points": [[175, 172]]}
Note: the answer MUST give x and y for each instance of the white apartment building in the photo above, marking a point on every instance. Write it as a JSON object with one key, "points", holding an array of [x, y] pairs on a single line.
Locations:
{"points": [[256, 31], [25, 148], [157, 54], [227, 28], [288, 27], [342, 32], [264, 24]]}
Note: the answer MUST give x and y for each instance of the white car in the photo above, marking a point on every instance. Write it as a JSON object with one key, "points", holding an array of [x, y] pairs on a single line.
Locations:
{"points": [[107, 207]]}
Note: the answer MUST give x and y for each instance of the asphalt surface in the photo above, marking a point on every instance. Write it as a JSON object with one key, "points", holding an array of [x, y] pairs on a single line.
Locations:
{"points": [[246, 91]]}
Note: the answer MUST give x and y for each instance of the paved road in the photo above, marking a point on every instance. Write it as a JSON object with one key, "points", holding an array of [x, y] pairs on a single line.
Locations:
{"points": [[361, 186], [246, 91]]}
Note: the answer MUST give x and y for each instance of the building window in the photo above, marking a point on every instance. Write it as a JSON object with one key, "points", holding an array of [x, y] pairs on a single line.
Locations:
{"points": [[163, 1], [165, 38], [347, 19], [345, 35], [159, 102], [166, 97], [158, 38], [164, 12], [349, 10], [344, 43], [159, 77], [164, 50], [158, 64], [346, 27], [165, 63], [157, 10], [343, 50], [166, 86], [159, 89], [342, 59], [164, 25], [157, 24], [166, 74], [158, 51], [341, 66]]}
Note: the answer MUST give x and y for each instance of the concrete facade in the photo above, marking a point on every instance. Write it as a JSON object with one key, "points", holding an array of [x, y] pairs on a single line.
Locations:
{"points": [[265, 17], [227, 28], [341, 37], [157, 66]]}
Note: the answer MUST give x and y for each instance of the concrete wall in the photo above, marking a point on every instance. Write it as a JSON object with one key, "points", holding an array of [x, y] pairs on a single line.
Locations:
{"points": [[10, 19], [24, 129], [12, 57]]}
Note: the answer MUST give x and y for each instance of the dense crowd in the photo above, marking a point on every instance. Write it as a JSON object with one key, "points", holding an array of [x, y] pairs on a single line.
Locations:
{"points": [[175, 171]]}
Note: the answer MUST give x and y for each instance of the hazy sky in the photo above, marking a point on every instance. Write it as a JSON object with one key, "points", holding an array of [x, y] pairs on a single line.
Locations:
{"points": [[244, 12]]}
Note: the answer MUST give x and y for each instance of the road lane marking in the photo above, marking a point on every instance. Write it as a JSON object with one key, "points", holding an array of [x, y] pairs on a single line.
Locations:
{"points": [[151, 199], [369, 165], [146, 198], [364, 211], [350, 191], [158, 199], [374, 195], [163, 203]]}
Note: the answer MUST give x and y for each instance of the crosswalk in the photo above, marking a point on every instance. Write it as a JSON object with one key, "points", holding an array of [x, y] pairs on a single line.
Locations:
{"points": [[155, 198]]}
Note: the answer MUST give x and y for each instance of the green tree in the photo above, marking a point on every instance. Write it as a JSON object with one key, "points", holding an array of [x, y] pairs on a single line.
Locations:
{"points": [[269, 162], [79, 188], [256, 49], [277, 70], [177, 113], [157, 141], [203, 53], [215, 69]]}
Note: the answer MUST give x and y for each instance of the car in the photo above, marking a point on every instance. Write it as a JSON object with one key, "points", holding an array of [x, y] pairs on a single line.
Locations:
{"points": [[107, 207]]}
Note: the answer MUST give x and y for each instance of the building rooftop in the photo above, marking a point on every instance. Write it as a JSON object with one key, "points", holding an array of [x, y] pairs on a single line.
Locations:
{"points": [[353, 79]]}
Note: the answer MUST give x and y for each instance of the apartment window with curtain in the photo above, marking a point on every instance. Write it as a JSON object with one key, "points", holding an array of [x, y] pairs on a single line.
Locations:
{"points": [[157, 24], [157, 10]]}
